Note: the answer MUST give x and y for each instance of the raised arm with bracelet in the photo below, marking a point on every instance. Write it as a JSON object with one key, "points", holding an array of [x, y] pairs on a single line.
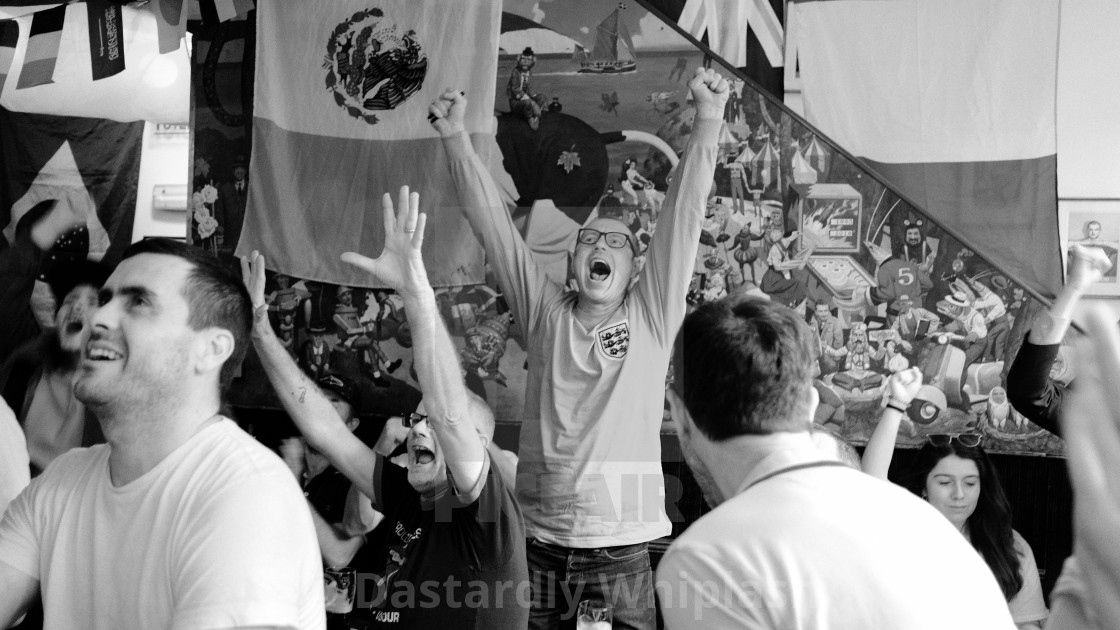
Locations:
{"points": [[446, 403]]}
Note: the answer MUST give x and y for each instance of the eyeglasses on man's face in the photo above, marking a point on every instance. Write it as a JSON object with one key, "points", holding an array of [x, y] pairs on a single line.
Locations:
{"points": [[410, 420], [616, 240], [970, 440]]}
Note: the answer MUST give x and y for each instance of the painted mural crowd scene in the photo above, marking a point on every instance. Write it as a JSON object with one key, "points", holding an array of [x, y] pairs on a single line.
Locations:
{"points": [[590, 333]]}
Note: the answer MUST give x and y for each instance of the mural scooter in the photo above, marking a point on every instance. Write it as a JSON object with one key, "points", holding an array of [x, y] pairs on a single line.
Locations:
{"points": [[953, 375]]}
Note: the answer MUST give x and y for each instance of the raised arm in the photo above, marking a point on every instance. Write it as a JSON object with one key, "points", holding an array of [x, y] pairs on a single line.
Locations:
{"points": [[17, 592], [522, 281], [664, 279], [401, 267], [311, 412], [1029, 387], [1086, 597], [901, 390]]}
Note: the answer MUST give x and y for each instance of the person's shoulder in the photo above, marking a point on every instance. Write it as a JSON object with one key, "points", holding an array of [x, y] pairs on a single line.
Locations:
{"points": [[1020, 543], [73, 468], [234, 453], [76, 461]]}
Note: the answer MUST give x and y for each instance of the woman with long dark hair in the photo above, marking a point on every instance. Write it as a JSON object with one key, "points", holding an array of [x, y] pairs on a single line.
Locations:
{"points": [[953, 473]]}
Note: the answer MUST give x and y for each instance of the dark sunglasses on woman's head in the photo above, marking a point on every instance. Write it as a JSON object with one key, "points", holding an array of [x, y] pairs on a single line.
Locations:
{"points": [[590, 236], [970, 440], [410, 420]]}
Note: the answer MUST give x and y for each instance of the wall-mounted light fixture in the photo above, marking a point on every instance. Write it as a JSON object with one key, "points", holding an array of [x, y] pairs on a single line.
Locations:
{"points": [[170, 197]]}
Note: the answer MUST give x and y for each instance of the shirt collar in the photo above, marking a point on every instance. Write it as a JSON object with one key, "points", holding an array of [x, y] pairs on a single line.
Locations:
{"points": [[792, 455]]}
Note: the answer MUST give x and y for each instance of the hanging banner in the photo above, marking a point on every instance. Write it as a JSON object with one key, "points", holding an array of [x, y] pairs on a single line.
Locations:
{"points": [[42, 48], [9, 37], [152, 87], [967, 130], [341, 117], [106, 47]]}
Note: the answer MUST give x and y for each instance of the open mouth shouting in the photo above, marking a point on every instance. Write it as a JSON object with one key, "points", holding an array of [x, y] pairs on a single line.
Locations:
{"points": [[73, 326], [421, 455], [599, 269]]}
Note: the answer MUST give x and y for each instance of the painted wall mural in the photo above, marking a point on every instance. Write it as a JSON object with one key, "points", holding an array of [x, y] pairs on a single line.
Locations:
{"points": [[592, 113]]}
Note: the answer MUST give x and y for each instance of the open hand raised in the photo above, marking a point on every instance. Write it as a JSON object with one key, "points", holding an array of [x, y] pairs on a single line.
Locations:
{"points": [[400, 265]]}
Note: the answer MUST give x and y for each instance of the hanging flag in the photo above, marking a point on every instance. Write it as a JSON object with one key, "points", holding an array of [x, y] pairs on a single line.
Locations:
{"points": [[152, 87], [232, 9], [954, 103], [9, 37], [208, 11], [726, 21], [16, 8], [90, 165], [340, 117], [171, 23], [42, 48], [106, 45]]}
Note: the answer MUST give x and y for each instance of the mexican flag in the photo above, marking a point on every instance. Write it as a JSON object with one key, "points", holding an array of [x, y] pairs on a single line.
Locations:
{"points": [[340, 117]]}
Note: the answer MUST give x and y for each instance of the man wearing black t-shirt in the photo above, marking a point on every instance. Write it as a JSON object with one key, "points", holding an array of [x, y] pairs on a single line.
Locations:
{"points": [[456, 553]]}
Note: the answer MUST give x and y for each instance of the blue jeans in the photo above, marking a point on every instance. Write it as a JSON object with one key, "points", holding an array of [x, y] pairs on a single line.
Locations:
{"points": [[562, 577]]}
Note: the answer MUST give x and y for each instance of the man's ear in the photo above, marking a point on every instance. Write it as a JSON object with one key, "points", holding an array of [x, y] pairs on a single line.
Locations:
{"points": [[814, 401], [677, 411], [215, 346]]}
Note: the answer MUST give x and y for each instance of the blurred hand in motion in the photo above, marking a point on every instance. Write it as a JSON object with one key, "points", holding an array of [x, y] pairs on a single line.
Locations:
{"points": [[1091, 426], [291, 451], [1087, 266], [252, 274]]}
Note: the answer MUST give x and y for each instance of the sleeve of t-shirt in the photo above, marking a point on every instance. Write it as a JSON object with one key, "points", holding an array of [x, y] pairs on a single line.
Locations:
{"points": [[1071, 601], [390, 484], [1031, 390], [19, 531], [523, 282], [487, 515], [695, 592], [14, 463], [358, 516], [663, 282], [245, 556], [1027, 605]]}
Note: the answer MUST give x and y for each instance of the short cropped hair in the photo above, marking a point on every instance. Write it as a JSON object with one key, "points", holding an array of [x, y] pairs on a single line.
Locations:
{"points": [[742, 366], [215, 296]]}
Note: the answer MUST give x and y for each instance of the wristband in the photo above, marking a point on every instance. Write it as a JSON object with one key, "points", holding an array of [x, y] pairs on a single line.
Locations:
{"points": [[897, 404]]}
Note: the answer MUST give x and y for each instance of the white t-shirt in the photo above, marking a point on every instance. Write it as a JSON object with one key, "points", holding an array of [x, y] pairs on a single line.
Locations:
{"points": [[216, 535], [15, 471], [1027, 605], [826, 547], [589, 469]]}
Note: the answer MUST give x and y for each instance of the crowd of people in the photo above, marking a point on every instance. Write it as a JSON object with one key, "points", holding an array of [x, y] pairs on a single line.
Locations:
{"points": [[175, 517]]}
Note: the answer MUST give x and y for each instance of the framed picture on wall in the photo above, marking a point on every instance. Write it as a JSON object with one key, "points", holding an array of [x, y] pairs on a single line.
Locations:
{"points": [[1092, 223]]}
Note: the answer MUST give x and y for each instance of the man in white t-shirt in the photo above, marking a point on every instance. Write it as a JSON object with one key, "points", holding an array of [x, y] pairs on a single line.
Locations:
{"points": [[796, 539], [589, 476], [15, 470], [182, 520]]}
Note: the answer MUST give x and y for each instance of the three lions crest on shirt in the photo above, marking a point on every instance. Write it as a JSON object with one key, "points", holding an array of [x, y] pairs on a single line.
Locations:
{"points": [[614, 340]]}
